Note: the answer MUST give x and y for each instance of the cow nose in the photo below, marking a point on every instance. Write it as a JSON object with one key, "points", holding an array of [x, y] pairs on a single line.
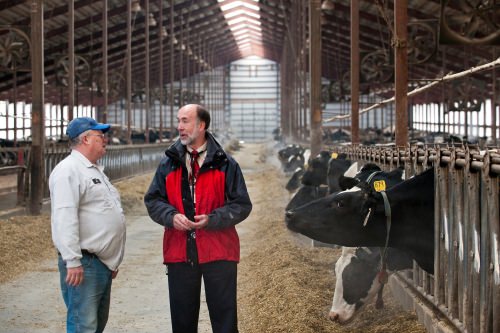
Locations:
{"points": [[289, 214], [334, 316]]}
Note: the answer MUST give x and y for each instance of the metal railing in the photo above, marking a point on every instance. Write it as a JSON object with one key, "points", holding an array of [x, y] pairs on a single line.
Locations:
{"points": [[119, 162], [465, 288]]}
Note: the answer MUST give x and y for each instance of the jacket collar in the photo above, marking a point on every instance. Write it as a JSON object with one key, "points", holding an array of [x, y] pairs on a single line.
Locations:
{"points": [[215, 152], [85, 161]]}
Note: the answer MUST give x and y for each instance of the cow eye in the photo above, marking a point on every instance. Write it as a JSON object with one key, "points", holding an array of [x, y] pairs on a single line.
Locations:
{"points": [[340, 204]]}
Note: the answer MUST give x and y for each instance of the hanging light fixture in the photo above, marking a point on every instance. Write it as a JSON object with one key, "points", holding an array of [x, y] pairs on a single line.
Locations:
{"points": [[136, 6], [327, 6], [151, 20]]}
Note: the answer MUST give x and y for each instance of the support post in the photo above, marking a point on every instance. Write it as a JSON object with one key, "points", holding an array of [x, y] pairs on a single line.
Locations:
{"points": [[355, 72], [37, 111], [315, 73], [401, 70]]}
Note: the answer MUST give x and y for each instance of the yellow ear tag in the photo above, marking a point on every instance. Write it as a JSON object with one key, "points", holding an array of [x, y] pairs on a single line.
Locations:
{"points": [[379, 185], [334, 155]]}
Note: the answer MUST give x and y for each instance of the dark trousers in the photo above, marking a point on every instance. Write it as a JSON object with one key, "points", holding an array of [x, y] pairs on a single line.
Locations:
{"points": [[184, 286]]}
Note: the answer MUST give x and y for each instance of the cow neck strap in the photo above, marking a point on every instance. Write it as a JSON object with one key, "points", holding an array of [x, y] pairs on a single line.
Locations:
{"points": [[370, 177], [383, 252], [368, 180]]}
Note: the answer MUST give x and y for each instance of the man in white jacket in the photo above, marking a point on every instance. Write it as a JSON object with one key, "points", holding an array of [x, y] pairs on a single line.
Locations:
{"points": [[88, 227]]}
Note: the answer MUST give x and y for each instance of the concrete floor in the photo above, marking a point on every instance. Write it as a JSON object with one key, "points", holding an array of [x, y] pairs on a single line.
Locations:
{"points": [[139, 302]]}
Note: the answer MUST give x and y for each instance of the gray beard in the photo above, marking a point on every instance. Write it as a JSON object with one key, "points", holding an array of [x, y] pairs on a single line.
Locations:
{"points": [[186, 142]]}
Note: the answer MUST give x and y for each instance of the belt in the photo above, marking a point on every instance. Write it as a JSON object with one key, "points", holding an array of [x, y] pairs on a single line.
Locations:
{"points": [[84, 252], [87, 253]]}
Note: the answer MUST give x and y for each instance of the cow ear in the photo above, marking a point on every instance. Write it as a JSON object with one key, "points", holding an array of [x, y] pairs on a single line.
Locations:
{"points": [[347, 182], [398, 172], [372, 167]]}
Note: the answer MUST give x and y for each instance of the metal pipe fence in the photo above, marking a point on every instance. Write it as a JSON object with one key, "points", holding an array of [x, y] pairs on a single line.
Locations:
{"points": [[465, 287], [119, 162]]}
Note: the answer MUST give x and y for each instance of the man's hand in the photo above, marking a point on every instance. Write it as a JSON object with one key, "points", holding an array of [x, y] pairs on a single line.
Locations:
{"points": [[182, 223], [114, 274], [74, 276], [200, 221]]}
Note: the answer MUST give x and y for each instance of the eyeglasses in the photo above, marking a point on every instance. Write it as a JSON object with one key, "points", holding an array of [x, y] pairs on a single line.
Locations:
{"points": [[102, 135]]}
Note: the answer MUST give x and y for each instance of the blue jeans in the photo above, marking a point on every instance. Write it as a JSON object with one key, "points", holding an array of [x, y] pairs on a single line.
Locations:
{"points": [[88, 303]]}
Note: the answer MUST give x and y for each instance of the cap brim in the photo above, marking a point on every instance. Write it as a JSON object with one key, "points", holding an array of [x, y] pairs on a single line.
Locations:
{"points": [[101, 127]]}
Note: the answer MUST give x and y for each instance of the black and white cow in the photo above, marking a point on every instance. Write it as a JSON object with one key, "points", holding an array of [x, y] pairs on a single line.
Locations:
{"points": [[357, 217], [374, 177], [312, 174], [320, 172], [289, 150], [338, 168], [305, 195], [292, 157], [317, 170], [354, 262], [343, 175], [359, 279], [358, 269], [293, 162], [295, 181]]}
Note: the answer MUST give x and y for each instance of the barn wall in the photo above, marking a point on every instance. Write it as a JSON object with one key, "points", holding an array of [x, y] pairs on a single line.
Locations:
{"points": [[254, 100]]}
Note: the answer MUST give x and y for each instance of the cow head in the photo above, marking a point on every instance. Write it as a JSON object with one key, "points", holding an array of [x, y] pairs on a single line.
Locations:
{"points": [[356, 283], [338, 218], [305, 195], [337, 168], [317, 169], [372, 173], [294, 181]]}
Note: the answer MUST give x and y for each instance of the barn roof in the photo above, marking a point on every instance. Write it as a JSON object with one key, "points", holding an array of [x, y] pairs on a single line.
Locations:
{"points": [[444, 36]]}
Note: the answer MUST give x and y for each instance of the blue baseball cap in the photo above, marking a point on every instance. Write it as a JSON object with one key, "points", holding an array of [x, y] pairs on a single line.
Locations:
{"points": [[79, 125]]}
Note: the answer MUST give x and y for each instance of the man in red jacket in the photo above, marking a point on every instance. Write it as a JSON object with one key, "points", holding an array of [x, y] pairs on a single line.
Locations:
{"points": [[199, 194]]}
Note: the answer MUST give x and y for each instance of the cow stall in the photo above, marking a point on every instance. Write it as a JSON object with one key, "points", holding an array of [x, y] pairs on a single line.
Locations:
{"points": [[463, 294]]}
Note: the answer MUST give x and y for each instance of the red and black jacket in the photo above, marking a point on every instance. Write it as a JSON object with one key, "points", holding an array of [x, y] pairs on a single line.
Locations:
{"points": [[221, 193]]}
